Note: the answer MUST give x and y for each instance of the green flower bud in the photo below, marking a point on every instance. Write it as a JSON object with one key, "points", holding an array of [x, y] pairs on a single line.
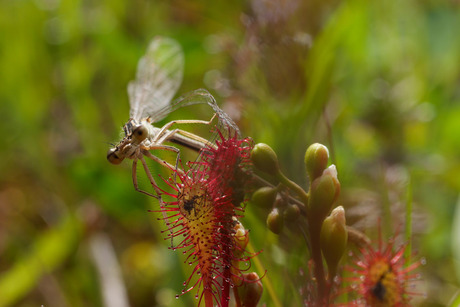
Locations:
{"points": [[265, 159], [324, 191], [264, 197], [241, 238], [251, 290], [332, 171], [275, 221], [334, 238], [291, 213], [316, 159]]}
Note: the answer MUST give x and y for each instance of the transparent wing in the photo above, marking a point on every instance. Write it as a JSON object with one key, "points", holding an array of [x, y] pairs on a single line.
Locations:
{"points": [[225, 125], [225, 129], [199, 96], [159, 75]]}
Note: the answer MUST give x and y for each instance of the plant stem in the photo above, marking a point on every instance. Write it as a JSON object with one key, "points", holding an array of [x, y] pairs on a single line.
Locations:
{"points": [[315, 230], [226, 288], [294, 187], [208, 298], [227, 276]]}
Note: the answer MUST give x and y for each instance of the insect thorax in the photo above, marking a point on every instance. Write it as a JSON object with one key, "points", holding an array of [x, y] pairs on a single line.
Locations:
{"points": [[129, 126], [132, 124]]}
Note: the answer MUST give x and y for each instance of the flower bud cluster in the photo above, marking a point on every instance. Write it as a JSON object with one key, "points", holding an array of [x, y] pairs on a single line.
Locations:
{"points": [[324, 191], [323, 194], [328, 227], [282, 210], [325, 187]]}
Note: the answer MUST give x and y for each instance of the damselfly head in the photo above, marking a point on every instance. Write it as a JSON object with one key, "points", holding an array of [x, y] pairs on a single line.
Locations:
{"points": [[113, 157]]}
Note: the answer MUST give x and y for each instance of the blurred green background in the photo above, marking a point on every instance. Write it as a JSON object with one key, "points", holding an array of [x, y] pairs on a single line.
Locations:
{"points": [[377, 82]]}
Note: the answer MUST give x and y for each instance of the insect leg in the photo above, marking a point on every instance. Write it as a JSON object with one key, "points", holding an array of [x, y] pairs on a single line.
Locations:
{"points": [[157, 190], [136, 185], [148, 154], [164, 129]]}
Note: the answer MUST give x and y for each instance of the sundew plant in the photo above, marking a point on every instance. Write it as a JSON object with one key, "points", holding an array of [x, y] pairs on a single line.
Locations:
{"points": [[229, 153], [204, 201]]}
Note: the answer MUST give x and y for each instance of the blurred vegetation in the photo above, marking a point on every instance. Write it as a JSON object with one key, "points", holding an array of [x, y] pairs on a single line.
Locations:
{"points": [[377, 82]]}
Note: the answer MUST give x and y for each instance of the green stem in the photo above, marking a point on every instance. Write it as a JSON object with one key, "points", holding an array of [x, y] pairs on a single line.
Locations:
{"points": [[315, 230], [294, 187]]}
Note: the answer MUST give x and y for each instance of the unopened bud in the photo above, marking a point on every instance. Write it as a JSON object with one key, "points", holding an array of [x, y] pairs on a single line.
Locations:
{"points": [[332, 171], [251, 290], [265, 159], [316, 159], [241, 238], [324, 191], [275, 221], [291, 213], [264, 197], [334, 238]]}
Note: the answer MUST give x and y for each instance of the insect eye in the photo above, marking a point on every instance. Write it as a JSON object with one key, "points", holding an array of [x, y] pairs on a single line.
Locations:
{"points": [[113, 157], [140, 133]]}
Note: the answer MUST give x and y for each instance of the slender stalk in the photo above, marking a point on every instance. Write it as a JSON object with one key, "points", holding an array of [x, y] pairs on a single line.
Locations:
{"points": [[208, 298], [227, 274], [263, 182], [315, 230], [294, 187], [226, 288]]}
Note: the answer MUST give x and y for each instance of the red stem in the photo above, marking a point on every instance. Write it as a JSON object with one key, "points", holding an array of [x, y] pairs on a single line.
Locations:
{"points": [[226, 290], [208, 298]]}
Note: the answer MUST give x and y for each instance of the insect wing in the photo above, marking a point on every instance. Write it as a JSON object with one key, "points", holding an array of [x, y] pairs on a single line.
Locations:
{"points": [[225, 126], [200, 96], [159, 75]]}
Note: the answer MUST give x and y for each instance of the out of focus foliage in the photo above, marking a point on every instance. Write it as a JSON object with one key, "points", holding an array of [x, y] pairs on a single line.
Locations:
{"points": [[378, 82]]}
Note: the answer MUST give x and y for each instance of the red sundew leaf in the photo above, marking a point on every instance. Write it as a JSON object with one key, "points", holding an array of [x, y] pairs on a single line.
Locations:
{"points": [[205, 211]]}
